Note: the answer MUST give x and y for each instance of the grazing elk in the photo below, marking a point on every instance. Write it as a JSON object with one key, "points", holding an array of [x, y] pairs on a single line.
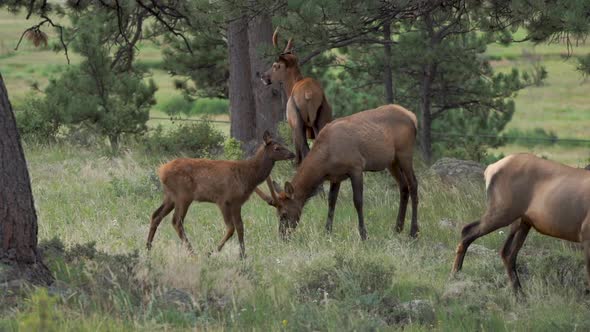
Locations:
{"points": [[225, 183], [525, 191], [308, 110], [372, 140]]}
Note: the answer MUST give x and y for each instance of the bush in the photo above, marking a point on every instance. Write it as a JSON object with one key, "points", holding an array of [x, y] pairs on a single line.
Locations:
{"points": [[36, 121], [232, 149], [177, 105], [211, 106], [195, 140]]}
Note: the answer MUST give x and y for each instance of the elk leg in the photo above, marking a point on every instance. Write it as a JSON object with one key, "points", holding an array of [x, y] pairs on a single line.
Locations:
{"points": [[408, 172], [404, 195], [157, 217], [239, 225], [514, 242], [585, 239], [229, 226], [586, 244], [332, 198], [471, 232], [178, 221], [357, 197]]}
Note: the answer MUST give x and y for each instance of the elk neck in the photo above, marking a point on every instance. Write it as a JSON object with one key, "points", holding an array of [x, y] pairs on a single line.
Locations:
{"points": [[257, 168], [294, 76], [310, 174]]}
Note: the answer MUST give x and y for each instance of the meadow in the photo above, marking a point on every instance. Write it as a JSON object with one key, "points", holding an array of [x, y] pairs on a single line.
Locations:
{"points": [[93, 222], [94, 213]]}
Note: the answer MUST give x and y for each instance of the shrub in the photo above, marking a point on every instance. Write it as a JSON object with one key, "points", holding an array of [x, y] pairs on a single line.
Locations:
{"points": [[204, 106], [199, 139], [177, 105], [232, 149], [36, 121]]}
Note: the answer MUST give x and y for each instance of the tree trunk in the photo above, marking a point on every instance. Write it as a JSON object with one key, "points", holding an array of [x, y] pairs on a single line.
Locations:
{"points": [[425, 114], [267, 99], [18, 219], [241, 98], [387, 71]]}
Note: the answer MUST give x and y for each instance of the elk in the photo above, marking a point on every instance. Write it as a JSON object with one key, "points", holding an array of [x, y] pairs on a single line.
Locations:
{"points": [[372, 140], [308, 110], [525, 191], [225, 183]]}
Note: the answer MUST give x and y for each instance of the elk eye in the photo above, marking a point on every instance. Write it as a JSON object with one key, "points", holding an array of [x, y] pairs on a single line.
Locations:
{"points": [[276, 148]]}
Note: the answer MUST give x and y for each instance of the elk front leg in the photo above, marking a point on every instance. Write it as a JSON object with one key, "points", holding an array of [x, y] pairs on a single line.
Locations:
{"points": [[157, 217], [332, 198], [229, 225], [181, 208], [585, 238], [239, 225], [357, 197]]}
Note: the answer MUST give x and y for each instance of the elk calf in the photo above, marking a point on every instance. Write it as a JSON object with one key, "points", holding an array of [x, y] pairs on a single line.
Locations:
{"points": [[225, 183], [525, 191], [373, 140], [308, 110]]}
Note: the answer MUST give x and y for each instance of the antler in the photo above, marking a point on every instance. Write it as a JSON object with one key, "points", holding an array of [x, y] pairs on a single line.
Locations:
{"points": [[271, 188], [264, 197], [275, 37], [289, 47]]}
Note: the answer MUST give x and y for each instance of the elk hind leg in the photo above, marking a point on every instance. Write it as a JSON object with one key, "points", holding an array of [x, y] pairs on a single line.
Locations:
{"points": [[404, 195], [156, 219], [471, 232], [407, 168], [512, 246]]}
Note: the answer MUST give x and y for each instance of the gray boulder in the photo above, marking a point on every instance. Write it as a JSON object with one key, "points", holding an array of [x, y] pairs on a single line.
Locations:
{"points": [[455, 170]]}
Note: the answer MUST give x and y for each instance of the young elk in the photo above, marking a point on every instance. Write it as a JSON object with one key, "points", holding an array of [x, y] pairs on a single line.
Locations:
{"points": [[308, 110], [225, 183], [526, 191], [373, 140]]}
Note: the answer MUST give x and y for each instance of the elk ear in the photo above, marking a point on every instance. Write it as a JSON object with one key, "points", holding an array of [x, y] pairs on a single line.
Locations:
{"points": [[267, 137], [289, 190], [276, 186]]}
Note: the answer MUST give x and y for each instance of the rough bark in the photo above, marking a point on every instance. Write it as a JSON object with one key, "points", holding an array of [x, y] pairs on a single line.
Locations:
{"points": [[18, 219], [387, 71], [241, 98], [268, 101]]}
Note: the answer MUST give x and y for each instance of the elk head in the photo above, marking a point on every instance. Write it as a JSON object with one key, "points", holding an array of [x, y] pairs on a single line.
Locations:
{"points": [[286, 62], [288, 207], [275, 150]]}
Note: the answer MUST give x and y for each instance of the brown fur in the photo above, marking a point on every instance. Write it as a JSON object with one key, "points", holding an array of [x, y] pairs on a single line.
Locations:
{"points": [[226, 183], [373, 140], [308, 110], [526, 191]]}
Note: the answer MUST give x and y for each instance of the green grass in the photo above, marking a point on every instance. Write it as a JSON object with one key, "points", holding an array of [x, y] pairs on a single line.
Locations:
{"points": [[313, 282]]}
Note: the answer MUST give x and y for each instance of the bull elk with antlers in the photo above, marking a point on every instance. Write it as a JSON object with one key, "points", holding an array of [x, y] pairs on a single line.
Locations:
{"points": [[526, 192], [372, 140], [226, 183], [308, 110]]}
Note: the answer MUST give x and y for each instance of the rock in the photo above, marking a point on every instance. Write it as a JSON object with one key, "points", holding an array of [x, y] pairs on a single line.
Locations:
{"points": [[456, 170], [421, 311], [587, 167], [457, 289], [446, 223], [176, 298], [61, 289]]}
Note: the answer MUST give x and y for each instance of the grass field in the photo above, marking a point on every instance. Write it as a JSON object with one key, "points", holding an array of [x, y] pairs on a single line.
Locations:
{"points": [[313, 282]]}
